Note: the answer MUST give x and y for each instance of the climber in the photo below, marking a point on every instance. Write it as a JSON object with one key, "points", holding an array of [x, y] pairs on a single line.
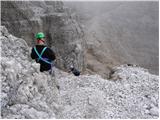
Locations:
{"points": [[42, 54], [74, 70]]}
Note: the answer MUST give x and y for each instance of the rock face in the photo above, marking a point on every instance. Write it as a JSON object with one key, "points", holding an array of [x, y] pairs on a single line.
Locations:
{"points": [[119, 33], [24, 92], [132, 91], [113, 33], [63, 33]]}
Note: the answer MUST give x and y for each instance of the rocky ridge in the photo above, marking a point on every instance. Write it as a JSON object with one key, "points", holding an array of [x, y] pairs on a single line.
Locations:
{"points": [[132, 91], [63, 32]]}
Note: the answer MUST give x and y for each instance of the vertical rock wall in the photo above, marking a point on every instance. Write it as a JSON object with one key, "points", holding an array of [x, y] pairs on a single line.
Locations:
{"points": [[27, 93], [63, 33]]}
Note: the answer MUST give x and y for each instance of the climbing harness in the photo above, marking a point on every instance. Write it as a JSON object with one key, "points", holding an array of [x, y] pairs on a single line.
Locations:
{"points": [[40, 56]]}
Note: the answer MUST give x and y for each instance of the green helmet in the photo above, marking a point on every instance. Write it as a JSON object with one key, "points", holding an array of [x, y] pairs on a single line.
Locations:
{"points": [[40, 35]]}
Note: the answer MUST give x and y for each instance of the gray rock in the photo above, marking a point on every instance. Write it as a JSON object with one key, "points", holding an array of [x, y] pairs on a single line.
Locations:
{"points": [[63, 32], [31, 94]]}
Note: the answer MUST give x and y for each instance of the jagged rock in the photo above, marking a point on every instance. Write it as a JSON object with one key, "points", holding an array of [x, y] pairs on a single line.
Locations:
{"points": [[27, 93], [21, 86], [63, 32]]}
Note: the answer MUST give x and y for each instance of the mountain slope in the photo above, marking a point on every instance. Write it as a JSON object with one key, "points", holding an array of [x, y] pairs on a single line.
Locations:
{"points": [[63, 33], [132, 91]]}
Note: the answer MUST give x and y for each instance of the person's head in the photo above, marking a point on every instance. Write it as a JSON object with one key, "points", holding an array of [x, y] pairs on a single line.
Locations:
{"points": [[71, 67], [40, 38]]}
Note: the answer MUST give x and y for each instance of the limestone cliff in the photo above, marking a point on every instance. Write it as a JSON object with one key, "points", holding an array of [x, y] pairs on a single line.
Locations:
{"points": [[63, 32], [27, 93]]}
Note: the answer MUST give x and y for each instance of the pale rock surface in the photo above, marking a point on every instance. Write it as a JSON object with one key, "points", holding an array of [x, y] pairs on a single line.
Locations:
{"points": [[132, 92], [63, 33]]}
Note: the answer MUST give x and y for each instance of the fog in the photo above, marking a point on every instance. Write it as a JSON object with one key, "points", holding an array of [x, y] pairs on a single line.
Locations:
{"points": [[120, 32]]}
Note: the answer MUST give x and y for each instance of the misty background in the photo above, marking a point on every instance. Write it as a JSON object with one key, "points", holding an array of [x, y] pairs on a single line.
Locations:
{"points": [[119, 33], [94, 37]]}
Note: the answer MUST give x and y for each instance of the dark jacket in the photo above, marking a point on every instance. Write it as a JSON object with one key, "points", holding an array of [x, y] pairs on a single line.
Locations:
{"points": [[47, 54]]}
